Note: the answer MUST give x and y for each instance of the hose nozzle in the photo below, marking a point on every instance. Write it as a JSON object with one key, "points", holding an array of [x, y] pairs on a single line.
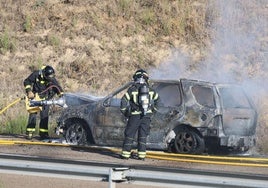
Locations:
{"points": [[60, 102]]}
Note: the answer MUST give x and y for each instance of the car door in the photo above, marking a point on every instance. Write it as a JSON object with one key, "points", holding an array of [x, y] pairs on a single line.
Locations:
{"points": [[200, 103], [110, 122], [239, 115], [169, 109]]}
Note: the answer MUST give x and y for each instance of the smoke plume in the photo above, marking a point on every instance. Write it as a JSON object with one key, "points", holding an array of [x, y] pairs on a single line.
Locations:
{"points": [[239, 50]]}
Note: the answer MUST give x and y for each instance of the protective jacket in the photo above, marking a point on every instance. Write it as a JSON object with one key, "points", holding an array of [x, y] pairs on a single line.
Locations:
{"points": [[130, 104], [36, 83]]}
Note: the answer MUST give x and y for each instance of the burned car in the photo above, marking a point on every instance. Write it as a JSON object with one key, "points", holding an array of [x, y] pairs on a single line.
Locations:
{"points": [[193, 117]]}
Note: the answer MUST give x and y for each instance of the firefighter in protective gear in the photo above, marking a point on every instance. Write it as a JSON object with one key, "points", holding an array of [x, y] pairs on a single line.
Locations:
{"points": [[44, 84], [138, 105]]}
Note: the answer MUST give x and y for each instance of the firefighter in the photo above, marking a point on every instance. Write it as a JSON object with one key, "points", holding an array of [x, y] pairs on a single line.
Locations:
{"points": [[138, 105], [42, 84]]}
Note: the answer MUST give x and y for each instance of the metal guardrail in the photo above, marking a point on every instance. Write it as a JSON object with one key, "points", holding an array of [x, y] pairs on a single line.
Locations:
{"points": [[203, 159], [115, 173]]}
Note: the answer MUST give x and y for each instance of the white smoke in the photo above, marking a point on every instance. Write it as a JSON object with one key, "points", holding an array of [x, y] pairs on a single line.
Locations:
{"points": [[173, 68], [239, 50]]}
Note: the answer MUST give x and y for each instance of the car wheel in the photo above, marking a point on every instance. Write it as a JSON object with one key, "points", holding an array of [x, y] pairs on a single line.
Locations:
{"points": [[185, 141], [188, 141], [76, 134], [200, 144]]}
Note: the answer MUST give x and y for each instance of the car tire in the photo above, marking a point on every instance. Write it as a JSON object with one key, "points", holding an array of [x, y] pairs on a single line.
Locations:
{"points": [[76, 134], [200, 144], [188, 142], [185, 141]]}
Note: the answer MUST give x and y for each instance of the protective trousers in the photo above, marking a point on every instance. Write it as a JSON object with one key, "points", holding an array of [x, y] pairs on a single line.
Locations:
{"points": [[140, 124], [43, 125]]}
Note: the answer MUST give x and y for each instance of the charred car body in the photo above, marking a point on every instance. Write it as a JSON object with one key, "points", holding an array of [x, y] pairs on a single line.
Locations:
{"points": [[193, 116]]}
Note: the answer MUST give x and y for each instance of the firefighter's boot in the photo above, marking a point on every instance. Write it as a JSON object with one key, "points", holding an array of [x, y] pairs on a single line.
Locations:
{"points": [[44, 136], [29, 135]]}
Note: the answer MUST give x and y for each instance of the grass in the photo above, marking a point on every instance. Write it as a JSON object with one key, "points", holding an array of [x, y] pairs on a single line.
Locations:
{"points": [[7, 43], [27, 25], [15, 126], [13, 120], [54, 41]]}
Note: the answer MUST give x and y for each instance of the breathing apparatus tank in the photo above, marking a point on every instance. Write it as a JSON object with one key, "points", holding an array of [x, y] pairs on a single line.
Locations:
{"points": [[144, 98]]}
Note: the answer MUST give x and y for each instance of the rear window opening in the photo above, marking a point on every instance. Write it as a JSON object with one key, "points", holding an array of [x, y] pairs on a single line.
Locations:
{"points": [[169, 94], [204, 96], [233, 97]]}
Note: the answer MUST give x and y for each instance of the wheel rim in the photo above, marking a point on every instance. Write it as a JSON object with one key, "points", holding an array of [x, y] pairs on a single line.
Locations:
{"points": [[185, 142], [75, 133]]}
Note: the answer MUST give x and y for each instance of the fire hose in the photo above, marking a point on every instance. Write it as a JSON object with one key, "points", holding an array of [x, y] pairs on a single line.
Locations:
{"points": [[11, 104], [37, 103]]}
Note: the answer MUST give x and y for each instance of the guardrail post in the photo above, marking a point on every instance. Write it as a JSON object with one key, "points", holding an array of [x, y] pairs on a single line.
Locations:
{"points": [[116, 175]]}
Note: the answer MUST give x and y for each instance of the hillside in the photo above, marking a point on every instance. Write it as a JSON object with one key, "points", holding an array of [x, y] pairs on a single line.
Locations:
{"points": [[96, 46]]}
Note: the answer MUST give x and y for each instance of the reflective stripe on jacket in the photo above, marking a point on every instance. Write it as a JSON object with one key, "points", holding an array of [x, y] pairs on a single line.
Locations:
{"points": [[130, 100]]}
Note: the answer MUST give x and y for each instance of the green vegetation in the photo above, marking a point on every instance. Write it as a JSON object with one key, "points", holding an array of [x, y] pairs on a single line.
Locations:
{"points": [[16, 125], [53, 41], [27, 24], [6, 43]]}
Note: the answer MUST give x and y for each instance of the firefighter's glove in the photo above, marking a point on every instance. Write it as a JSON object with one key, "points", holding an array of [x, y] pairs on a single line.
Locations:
{"points": [[30, 95]]}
